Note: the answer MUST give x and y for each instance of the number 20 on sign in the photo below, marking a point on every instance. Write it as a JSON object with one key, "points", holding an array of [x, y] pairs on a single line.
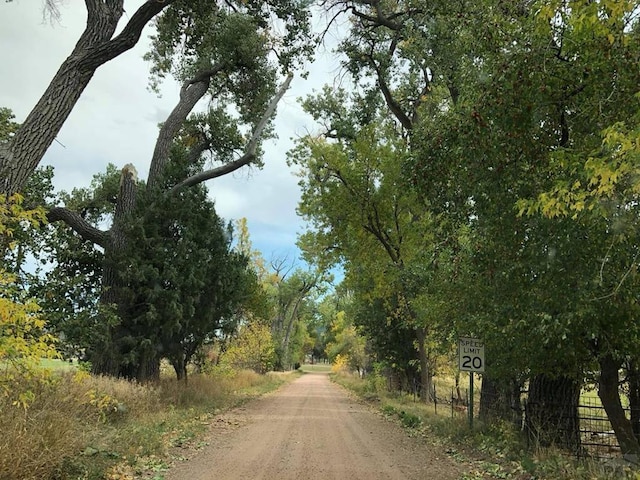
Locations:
{"points": [[471, 354]]}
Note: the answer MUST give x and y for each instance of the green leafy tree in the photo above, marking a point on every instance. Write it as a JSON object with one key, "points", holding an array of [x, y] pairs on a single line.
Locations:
{"points": [[192, 290], [253, 348], [8, 127], [347, 344], [512, 129], [232, 70], [395, 246], [185, 26], [290, 295]]}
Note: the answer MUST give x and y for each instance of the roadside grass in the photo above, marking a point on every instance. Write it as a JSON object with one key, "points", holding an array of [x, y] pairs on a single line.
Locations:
{"points": [[316, 367], [492, 451], [58, 365], [84, 427]]}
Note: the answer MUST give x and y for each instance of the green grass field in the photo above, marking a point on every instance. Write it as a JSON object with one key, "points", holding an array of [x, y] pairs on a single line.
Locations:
{"points": [[58, 365], [318, 367]]}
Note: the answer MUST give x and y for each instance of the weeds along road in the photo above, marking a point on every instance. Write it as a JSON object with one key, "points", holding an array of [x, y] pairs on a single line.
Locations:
{"points": [[312, 429]]}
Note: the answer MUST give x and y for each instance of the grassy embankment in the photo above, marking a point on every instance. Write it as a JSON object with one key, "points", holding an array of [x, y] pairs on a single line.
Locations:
{"points": [[83, 427], [492, 451]]}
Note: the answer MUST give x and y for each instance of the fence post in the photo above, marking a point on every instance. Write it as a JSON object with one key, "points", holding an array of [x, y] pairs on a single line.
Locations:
{"points": [[451, 402], [435, 399]]}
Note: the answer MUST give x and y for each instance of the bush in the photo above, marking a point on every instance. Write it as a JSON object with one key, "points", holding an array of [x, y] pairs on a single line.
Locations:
{"points": [[23, 337], [62, 419], [253, 349]]}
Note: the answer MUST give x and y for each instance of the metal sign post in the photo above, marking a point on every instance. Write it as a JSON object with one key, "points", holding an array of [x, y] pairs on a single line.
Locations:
{"points": [[471, 400], [471, 359]]}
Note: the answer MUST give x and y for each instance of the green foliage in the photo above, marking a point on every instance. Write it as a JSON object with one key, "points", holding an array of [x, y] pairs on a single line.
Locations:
{"points": [[598, 169], [483, 112], [252, 348], [237, 39], [23, 336], [7, 126], [69, 290], [193, 290], [291, 296], [347, 344], [191, 35], [399, 257]]}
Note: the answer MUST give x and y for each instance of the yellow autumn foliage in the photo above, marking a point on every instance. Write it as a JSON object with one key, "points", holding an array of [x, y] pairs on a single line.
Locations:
{"points": [[23, 337]]}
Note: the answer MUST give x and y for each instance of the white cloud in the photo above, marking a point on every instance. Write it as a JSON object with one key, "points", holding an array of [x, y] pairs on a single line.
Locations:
{"points": [[116, 120]]}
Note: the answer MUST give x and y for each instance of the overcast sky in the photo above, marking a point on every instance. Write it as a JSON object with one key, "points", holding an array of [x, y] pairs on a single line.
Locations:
{"points": [[116, 120]]}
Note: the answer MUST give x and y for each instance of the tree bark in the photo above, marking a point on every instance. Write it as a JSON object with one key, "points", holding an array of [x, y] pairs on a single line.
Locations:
{"points": [[304, 290], [633, 380], [250, 151], [500, 400], [180, 367], [426, 380], [191, 92], [551, 414], [20, 157], [609, 393], [108, 360]]}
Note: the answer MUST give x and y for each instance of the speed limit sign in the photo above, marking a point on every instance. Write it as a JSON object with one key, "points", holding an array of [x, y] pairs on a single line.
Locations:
{"points": [[471, 354]]}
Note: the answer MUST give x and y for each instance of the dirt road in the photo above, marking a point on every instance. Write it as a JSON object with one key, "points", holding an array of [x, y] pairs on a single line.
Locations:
{"points": [[311, 429]]}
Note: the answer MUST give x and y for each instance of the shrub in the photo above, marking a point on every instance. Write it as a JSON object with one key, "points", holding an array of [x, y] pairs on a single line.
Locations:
{"points": [[340, 364], [23, 340], [252, 349], [63, 418]]}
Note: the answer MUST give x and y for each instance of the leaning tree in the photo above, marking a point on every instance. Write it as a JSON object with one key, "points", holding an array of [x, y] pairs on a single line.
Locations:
{"points": [[231, 55], [97, 45]]}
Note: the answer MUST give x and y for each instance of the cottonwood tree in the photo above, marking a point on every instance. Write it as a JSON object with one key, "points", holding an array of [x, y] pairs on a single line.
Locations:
{"points": [[225, 53], [190, 21], [407, 57], [348, 344], [502, 112], [592, 176], [290, 290], [284, 301], [364, 217], [517, 133], [97, 45]]}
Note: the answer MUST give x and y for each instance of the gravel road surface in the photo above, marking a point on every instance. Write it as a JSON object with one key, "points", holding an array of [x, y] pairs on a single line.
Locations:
{"points": [[312, 429]]}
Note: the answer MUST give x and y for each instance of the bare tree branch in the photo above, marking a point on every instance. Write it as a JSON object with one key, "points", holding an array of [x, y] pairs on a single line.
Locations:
{"points": [[191, 92], [78, 224], [250, 151], [130, 34]]}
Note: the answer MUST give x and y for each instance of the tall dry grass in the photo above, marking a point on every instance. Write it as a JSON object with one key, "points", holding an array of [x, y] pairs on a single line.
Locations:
{"points": [[79, 426], [62, 420]]}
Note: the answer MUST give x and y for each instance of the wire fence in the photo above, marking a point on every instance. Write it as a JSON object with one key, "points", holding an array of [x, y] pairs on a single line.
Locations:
{"points": [[596, 438]]}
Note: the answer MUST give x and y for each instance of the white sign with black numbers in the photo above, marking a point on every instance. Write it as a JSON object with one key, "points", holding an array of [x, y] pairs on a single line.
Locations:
{"points": [[471, 354]]}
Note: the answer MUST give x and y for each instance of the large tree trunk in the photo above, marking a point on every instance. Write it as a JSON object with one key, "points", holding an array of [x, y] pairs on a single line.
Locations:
{"points": [[609, 393], [426, 379], [180, 367], [633, 380], [20, 157], [551, 415], [304, 290], [109, 359], [500, 400]]}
